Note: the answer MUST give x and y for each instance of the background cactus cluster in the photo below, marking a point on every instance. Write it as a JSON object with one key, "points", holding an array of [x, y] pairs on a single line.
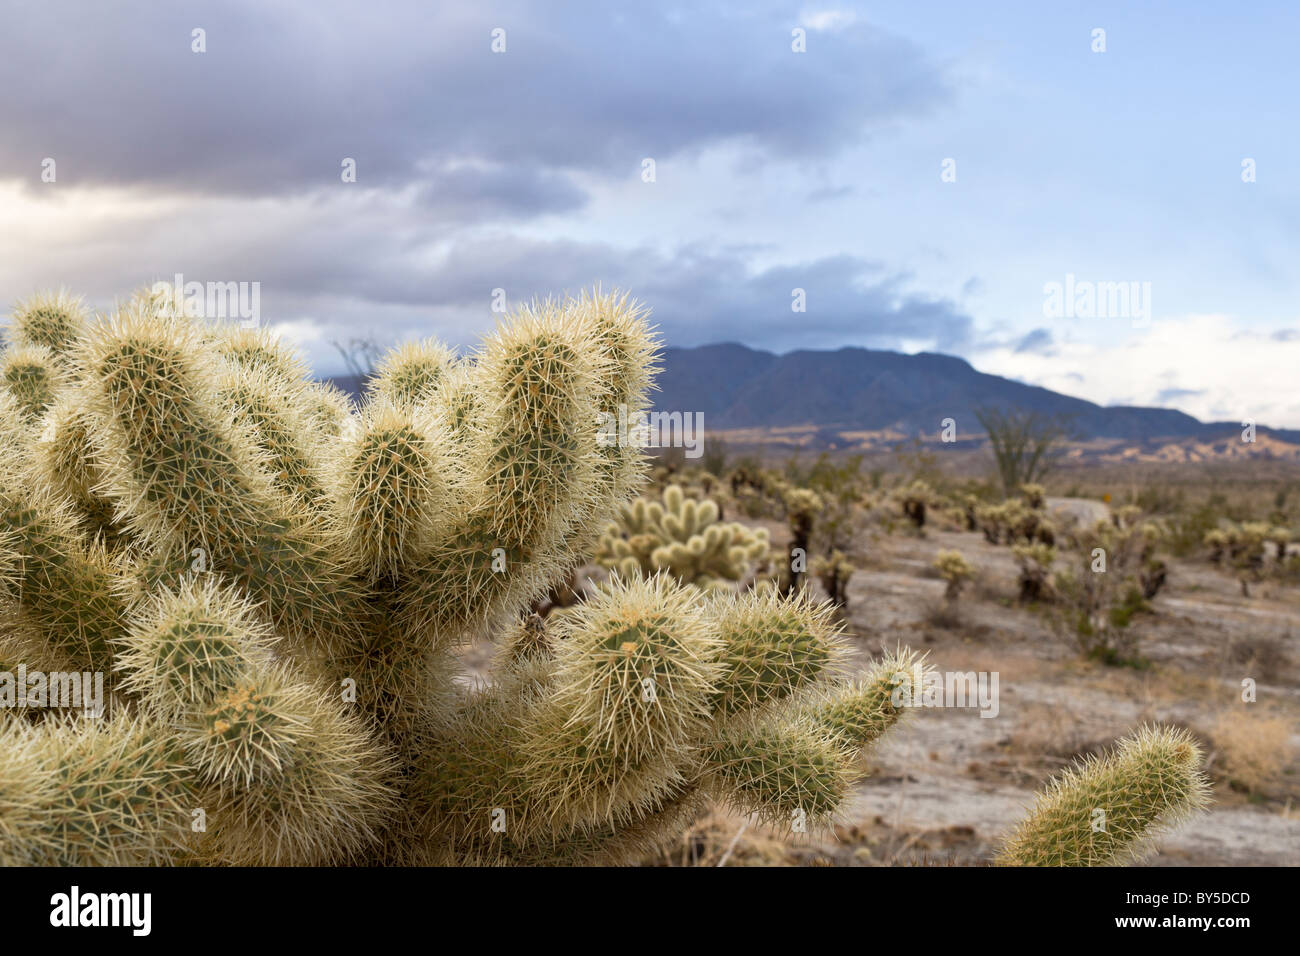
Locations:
{"points": [[1016, 521], [682, 537]]}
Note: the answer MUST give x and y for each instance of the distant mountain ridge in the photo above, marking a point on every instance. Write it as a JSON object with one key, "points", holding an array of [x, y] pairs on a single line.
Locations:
{"points": [[870, 390], [737, 387]]}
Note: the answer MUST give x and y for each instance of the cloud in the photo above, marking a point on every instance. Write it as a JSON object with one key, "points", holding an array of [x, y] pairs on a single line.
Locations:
{"points": [[823, 20], [356, 260], [1211, 366], [1039, 340], [829, 193], [284, 92]]}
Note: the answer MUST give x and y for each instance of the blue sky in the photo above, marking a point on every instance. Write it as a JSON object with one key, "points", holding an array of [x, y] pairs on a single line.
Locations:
{"points": [[774, 170]]}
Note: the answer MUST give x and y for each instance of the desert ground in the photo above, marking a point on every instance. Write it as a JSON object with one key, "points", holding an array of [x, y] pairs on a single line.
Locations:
{"points": [[945, 784]]}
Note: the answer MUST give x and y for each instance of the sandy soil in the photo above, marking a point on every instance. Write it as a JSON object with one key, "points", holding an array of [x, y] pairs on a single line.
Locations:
{"points": [[946, 784]]}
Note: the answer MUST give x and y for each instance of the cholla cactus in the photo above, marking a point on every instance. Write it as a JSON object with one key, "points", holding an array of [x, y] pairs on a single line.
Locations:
{"points": [[683, 538], [1108, 810], [955, 570], [1127, 516], [50, 320], [1035, 495], [915, 498], [1280, 536], [1013, 521], [834, 572], [1247, 546], [1112, 576], [1035, 562], [275, 586], [1216, 539], [802, 506], [32, 375]]}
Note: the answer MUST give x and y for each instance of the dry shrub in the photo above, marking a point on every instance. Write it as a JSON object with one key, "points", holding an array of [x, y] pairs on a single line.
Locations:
{"points": [[719, 838], [1251, 751]]}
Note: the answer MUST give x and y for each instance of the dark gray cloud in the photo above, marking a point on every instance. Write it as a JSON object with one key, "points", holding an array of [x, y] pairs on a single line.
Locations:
{"points": [[697, 296], [456, 149], [285, 91], [829, 193], [1038, 340]]}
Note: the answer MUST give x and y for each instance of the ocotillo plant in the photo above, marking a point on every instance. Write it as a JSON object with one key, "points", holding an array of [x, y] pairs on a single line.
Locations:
{"points": [[275, 586]]}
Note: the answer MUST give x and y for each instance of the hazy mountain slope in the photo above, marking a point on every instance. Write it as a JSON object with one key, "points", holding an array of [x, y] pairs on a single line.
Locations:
{"points": [[855, 388], [739, 387]]}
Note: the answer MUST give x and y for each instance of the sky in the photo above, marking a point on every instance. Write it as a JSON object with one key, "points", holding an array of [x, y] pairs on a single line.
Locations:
{"points": [[1114, 215]]}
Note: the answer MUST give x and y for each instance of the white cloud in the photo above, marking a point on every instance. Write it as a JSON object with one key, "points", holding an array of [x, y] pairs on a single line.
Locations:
{"points": [[824, 20], [1210, 366]]}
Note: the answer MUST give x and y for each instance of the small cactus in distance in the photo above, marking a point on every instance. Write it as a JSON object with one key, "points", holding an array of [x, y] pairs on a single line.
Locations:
{"points": [[682, 537], [1216, 540], [834, 571], [1035, 495], [802, 506], [955, 570], [915, 498], [1035, 561]]}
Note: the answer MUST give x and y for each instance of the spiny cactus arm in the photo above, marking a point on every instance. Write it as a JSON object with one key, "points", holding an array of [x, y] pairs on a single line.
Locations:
{"points": [[325, 800], [396, 487], [617, 324], [461, 404], [471, 796], [171, 451], [635, 667], [52, 320], [411, 374], [624, 845], [533, 474], [283, 774], [590, 728], [861, 711], [79, 792], [185, 477], [271, 414], [32, 375], [63, 461], [539, 457], [1109, 810], [787, 772], [796, 764], [262, 350], [326, 407], [771, 647], [53, 584]]}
